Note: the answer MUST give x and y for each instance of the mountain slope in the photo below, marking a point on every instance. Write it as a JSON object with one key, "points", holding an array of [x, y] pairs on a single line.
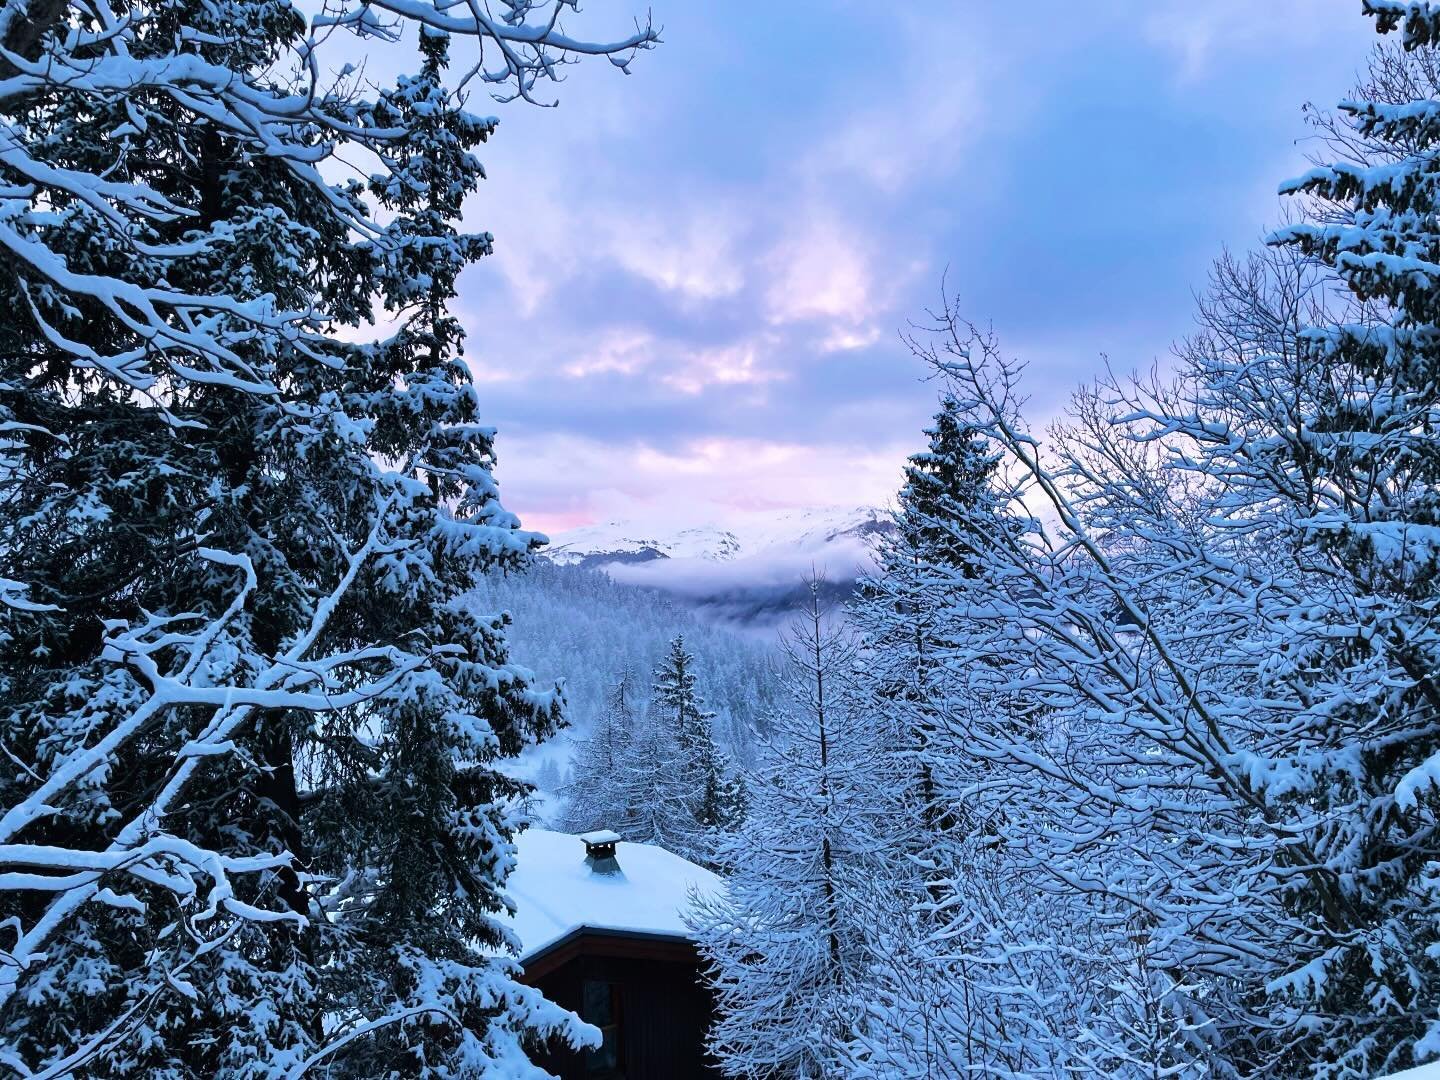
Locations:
{"points": [[746, 571], [746, 536], [580, 626]]}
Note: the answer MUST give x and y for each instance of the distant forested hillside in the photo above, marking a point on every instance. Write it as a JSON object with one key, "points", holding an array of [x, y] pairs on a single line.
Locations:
{"points": [[577, 626]]}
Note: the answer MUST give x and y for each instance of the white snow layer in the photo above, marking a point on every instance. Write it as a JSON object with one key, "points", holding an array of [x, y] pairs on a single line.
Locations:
{"points": [[555, 892], [742, 536]]}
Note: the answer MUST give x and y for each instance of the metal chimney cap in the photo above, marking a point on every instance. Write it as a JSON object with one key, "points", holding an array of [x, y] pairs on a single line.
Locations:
{"points": [[600, 851]]}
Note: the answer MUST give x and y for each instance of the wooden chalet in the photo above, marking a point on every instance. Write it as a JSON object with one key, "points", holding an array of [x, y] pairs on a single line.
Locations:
{"points": [[602, 934]]}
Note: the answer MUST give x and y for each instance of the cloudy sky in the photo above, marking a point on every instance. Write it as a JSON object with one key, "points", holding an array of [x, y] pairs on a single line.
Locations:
{"points": [[701, 269]]}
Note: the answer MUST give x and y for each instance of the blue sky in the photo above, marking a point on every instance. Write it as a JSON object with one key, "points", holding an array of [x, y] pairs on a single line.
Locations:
{"points": [[701, 269]]}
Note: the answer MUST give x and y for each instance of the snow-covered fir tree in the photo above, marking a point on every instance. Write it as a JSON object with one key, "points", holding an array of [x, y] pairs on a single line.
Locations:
{"points": [[657, 775], [966, 977], [713, 792], [923, 566], [1368, 518], [1218, 611], [655, 800], [789, 945], [250, 814], [596, 796]]}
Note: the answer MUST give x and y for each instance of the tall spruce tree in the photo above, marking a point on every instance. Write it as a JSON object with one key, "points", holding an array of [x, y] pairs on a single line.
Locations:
{"points": [[950, 482], [248, 807], [961, 961], [596, 797], [946, 506], [713, 793], [651, 789], [1376, 756]]}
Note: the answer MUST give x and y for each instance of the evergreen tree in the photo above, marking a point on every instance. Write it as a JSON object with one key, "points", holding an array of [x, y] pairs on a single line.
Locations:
{"points": [[249, 729], [1373, 759], [676, 698], [951, 481], [713, 795], [966, 956], [945, 509], [789, 945], [596, 798], [657, 805]]}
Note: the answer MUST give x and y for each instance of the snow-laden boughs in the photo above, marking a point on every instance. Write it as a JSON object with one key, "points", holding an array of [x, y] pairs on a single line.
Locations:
{"points": [[1229, 698], [789, 944], [971, 970], [249, 823], [596, 797], [1188, 703], [1368, 447]]}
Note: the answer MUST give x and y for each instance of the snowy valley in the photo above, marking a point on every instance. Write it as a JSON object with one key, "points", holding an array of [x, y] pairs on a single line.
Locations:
{"points": [[575, 626]]}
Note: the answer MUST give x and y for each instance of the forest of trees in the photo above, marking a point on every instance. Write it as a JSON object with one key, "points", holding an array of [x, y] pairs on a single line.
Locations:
{"points": [[1123, 761], [1131, 765], [578, 626], [656, 774]]}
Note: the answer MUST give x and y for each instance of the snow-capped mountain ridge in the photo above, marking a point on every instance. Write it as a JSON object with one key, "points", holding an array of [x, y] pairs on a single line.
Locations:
{"points": [[743, 537], [626, 542], [748, 571]]}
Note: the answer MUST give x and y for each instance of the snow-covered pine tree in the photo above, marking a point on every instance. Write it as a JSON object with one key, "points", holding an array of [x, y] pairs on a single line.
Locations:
{"points": [[712, 792], [657, 804], [595, 797], [947, 485], [967, 978], [1373, 760], [249, 816], [789, 944], [922, 565], [1212, 644], [676, 697]]}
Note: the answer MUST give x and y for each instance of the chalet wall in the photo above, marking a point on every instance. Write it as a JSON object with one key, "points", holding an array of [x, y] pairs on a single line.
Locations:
{"points": [[663, 1007]]}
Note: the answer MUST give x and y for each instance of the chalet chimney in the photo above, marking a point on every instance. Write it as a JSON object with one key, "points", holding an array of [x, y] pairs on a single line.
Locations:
{"points": [[600, 851]]}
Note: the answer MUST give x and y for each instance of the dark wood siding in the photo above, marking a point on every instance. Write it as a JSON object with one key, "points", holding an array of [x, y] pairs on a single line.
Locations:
{"points": [[663, 1009]]}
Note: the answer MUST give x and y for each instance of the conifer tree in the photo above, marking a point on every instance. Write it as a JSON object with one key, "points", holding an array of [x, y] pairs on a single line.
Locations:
{"points": [[964, 952], [789, 944], [946, 506], [250, 816], [714, 796], [657, 804], [1375, 760], [677, 698], [950, 482], [596, 797]]}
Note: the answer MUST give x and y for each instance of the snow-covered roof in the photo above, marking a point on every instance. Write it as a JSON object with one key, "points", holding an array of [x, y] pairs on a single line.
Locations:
{"points": [[1424, 1072], [555, 892]]}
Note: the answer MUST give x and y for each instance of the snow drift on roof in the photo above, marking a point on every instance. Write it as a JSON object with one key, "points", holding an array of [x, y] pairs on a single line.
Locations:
{"points": [[555, 892]]}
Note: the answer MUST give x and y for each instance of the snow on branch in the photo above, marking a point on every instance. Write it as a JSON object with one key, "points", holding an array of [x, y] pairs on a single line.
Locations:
{"points": [[107, 64], [141, 849]]}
